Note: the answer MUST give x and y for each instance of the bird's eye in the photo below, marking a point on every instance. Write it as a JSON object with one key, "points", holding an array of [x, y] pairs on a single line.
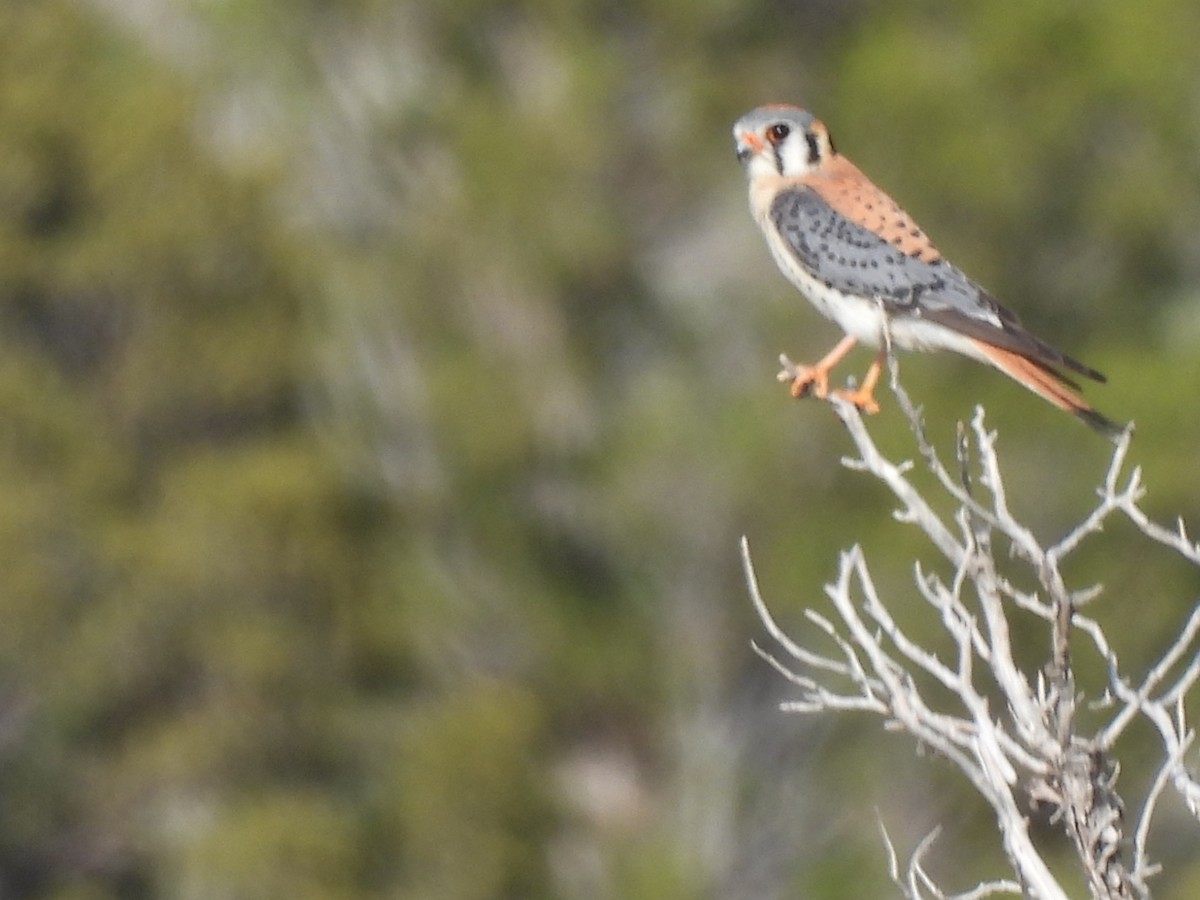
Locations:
{"points": [[778, 132]]}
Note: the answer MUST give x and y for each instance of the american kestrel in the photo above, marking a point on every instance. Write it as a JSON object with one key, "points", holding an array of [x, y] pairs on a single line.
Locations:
{"points": [[864, 263]]}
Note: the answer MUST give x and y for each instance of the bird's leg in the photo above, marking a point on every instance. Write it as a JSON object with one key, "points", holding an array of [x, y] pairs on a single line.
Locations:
{"points": [[816, 378], [864, 396]]}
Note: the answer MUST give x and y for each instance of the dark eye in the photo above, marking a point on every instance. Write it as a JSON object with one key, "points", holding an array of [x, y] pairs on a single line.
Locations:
{"points": [[778, 132]]}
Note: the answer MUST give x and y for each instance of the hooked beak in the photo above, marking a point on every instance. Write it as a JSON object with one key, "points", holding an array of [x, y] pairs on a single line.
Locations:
{"points": [[747, 144]]}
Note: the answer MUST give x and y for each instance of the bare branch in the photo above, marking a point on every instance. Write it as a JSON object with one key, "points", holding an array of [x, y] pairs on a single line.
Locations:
{"points": [[1029, 747], [815, 660], [917, 882]]}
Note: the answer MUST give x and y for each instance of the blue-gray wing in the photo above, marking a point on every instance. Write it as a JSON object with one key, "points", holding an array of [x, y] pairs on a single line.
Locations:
{"points": [[850, 258]]}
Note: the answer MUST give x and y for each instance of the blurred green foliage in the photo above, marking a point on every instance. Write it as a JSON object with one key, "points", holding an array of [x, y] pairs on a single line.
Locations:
{"points": [[384, 387]]}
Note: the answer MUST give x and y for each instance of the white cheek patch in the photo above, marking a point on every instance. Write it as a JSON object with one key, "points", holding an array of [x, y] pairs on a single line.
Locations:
{"points": [[795, 155], [762, 165]]}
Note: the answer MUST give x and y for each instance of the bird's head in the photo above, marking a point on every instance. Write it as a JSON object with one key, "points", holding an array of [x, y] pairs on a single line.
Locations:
{"points": [[781, 140]]}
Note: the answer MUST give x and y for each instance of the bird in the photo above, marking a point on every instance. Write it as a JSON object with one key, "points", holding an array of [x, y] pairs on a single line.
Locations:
{"points": [[864, 263]]}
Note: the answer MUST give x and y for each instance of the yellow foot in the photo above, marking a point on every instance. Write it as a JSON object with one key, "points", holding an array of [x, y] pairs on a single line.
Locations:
{"points": [[805, 379], [863, 398]]}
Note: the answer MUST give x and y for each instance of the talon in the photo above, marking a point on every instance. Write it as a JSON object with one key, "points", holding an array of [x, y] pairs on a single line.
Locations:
{"points": [[814, 379], [805, 380], [800, 379], [808, 380], [862, 398]]}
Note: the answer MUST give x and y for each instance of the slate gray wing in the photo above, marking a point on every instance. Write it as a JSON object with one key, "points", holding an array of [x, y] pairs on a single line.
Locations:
{"points": [[855, 260], [852, 259]]}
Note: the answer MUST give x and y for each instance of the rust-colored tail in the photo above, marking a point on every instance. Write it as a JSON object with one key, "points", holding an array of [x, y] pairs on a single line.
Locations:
{"points": [[1049, 385]]}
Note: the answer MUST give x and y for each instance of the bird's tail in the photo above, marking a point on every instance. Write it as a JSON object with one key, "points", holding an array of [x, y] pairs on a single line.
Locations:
{"points": [[1049, 385]]}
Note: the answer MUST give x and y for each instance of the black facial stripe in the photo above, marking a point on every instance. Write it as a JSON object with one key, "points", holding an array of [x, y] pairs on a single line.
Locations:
{"points": [[814, 148], [778, 158]]}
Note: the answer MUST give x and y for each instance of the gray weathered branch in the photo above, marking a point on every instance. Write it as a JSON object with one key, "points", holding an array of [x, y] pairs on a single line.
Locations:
{"points": [[1030, 747]]}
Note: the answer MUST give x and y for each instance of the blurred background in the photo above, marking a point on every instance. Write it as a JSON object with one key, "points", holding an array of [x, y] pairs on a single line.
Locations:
{"points": [[385, 385]]}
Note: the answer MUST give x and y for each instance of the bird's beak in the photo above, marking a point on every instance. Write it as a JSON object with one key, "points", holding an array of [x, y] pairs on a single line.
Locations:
{"points": [[747, 145]]}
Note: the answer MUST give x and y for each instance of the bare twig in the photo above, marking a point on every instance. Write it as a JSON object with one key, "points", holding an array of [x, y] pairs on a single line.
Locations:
{"points": [[1029, 747]]}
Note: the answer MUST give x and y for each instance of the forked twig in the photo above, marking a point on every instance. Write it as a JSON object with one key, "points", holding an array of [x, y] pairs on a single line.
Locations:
{"points": [[1030, 746]]}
